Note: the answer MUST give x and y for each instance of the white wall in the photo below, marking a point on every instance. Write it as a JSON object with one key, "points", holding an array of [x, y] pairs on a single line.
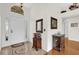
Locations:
{"points": [[3, 12], [45, 11], [27, 18], [0, 32]]}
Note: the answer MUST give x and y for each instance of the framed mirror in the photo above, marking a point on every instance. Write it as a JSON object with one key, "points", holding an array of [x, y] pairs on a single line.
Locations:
{"points": [[39, 25], [53, 23]]}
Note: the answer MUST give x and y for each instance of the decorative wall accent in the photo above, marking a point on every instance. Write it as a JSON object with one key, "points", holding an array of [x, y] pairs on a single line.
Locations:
{"points": [[17, 9], [39, 25], [74, 24], [74, 6], [53, 23]]}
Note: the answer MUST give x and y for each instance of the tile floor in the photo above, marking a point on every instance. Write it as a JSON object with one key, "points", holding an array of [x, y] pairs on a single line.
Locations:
{"points": [[25, 49]]}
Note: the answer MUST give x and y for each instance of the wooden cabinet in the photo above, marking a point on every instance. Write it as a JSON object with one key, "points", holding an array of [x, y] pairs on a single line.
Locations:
{"points": [[36, 42], [58, 42]]}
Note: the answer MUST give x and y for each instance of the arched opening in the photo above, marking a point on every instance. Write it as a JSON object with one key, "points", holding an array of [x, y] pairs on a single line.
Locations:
{"points": [[17, 9]]}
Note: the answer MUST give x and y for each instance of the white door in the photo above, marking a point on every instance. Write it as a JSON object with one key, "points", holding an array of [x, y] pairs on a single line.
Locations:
{"points": [[17, 28], [65, 27]]}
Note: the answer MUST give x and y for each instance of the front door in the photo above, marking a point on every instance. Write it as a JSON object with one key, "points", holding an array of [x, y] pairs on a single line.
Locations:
{"points": [[17, 28]]}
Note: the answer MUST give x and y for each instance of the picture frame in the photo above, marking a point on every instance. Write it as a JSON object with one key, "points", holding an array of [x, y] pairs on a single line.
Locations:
{"points": [[74, 24], [53, 23], [39, 25]]}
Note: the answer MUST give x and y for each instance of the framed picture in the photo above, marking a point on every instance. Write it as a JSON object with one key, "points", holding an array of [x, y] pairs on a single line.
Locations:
{"points": [[53, 23], [39, 25], [74, 24]]}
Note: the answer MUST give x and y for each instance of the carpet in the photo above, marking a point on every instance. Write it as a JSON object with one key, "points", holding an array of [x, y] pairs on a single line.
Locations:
{"points": [[22, 49]]}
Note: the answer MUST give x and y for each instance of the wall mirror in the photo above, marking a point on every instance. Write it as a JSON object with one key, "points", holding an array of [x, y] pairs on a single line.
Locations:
{"points": [[53, 23], [39, 25]]}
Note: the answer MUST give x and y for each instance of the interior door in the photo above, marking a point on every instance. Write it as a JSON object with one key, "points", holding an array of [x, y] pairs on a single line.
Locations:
{"points": [[17, 28], [65, 27]]}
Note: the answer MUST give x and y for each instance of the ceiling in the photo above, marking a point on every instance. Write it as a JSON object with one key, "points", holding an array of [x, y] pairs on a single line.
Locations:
{"points": [[56, 5]]}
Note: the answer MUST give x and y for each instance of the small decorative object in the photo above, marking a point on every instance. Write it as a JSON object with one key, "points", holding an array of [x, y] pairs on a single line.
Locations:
{"points": [[74, 6], [74, 24], [53, 23], [39, 25], [63, 11]]}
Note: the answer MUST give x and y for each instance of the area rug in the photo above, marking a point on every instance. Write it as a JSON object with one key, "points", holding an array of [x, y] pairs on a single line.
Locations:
{"points": [[18, 49], [22, 49]]}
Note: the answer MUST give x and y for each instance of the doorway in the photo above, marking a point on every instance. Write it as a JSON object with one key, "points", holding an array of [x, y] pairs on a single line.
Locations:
{"points": [[15, 29]]}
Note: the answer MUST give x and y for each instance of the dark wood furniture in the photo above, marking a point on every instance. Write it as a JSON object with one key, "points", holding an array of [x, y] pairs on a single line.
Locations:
{"points": [[36, 41], [58, 42]]}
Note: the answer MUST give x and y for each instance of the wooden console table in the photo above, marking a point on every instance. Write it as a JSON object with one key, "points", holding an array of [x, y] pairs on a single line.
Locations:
{"points": [[58, 42], [36, 41]]}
